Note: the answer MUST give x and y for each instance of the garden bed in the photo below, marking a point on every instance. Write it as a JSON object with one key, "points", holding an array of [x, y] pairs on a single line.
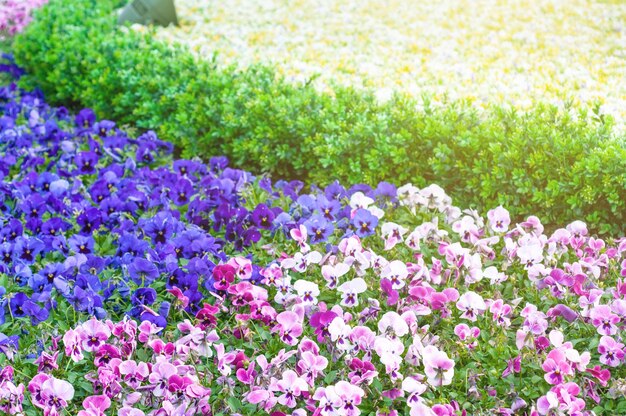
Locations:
{"points": [[135, 284], [505, 52]]}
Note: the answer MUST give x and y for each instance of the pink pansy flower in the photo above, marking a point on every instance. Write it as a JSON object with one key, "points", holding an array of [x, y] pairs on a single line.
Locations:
{"points": [[161, 372], [129, 411], [350, 291], [46, 362], [292, 386], [247, 375], [604, 320], [346, 398], [94, 333], [183, 300], [362, 372], [307, 291], [289, 327], [501, 312], [324, 397], [95, 406], [55, 394], [392, 233], [271, 273], [177, 384], [499, 219], [392, 323], [133, 373], [611, 352], [556, 367], [437, 366], [72, 341], [310, 365], [414, 389], [535, 321], [332, 273], [396, 271], [147, 330], [35, 387], [466, 228], [262, 396], [300, 236], [472, 305], [513, 365], [577, 229], [420, 409], [467, 334], [242, 266]]}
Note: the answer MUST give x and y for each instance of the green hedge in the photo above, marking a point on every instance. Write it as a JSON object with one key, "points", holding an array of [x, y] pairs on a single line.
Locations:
{"points": [[559, 165]]}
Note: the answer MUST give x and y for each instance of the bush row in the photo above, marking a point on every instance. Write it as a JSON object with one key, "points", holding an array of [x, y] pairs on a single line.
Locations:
{"points": [[563, 163]]}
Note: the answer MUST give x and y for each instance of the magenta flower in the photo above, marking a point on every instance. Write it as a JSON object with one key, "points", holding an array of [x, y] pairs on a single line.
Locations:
{"points": [[556, 367], [437, 366], [46, 362], [362, 372], [513, 365], [223, 276], [289, 327], [247, 375], [604, 320], [178, 384], [611, 352], [320, 321]]}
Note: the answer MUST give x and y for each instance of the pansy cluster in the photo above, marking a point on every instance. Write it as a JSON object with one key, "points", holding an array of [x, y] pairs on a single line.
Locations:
{"points": [[95, 220], [138, 285]]}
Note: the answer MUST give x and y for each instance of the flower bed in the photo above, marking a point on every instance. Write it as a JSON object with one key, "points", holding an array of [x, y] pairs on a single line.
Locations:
{"points": [[487, 51], [134, 284], [15, 15]]}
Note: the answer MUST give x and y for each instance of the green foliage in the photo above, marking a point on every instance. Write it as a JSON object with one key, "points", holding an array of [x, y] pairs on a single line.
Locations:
{"points": [[557, 164]]}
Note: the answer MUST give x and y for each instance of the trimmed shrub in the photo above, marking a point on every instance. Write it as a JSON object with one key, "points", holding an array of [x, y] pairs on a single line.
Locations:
{"points": [[562, 163]]}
